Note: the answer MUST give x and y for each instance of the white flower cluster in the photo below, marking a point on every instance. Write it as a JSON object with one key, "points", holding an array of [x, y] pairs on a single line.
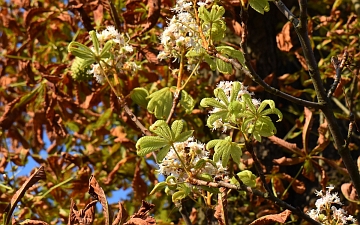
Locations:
{"points": [[227, 86], [119, 49], [182, 32], [190, 152], [326, 213]]}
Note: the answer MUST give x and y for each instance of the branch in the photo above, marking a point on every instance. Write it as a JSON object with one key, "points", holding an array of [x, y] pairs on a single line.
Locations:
{"points": [[184, 213], [177, 97], [243, 187], [338, 68], [250, 149], [323, 100], [134, 118]]}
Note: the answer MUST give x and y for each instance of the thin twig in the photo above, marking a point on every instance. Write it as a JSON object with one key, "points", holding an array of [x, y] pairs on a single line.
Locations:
{"points": [[135, 119], [176, 100], [243, 187], [338, 68], [258, 168], [184, 213]]}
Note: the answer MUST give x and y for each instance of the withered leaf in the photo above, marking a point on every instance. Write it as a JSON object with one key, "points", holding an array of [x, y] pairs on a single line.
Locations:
{"points": [[84, 216], [221, 207], [138, 184], [141, 217], [271, 219], [98, 193], [10, 114], [121, 216], [38, 175], [34, 222]]}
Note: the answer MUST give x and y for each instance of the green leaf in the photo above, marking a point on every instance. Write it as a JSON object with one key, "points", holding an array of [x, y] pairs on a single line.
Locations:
{"points": [[204, 14], [205, 177], [247, 177], [162, 153], [158, 187], [260, 6], [187, 102], [177, 127], [160, 103], [223, 66], [224, 149], [183, 192], [210, 62], [149, 144], [211, 102], [139, 95], [95, 42], [216, 12], [220, 94], [231, 52], [184, 136], [105, 52], [81, 51], [104, 118], [162, 129]]}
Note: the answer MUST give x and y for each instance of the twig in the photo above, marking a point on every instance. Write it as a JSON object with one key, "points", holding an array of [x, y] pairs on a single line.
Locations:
{"points": [[258, 168], [243, 187], [323, 100], [184, 213], [177, 97], [338, 68], [135, 119]]}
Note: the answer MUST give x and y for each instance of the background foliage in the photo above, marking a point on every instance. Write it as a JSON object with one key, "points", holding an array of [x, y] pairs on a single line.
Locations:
{"points": [[75, 129]]}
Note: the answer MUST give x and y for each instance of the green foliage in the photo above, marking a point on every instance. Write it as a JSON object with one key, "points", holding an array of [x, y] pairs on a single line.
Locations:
{"points": [[260, 6], [224, 148], [247, 177], [164, 140], [79, 70], [160, 103], [139, 96], [255, 120]]}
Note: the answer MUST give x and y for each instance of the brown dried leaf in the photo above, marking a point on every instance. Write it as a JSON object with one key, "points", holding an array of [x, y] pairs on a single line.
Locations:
{"points": [[301, 59], [35, 177], [283, 39], [152, 18], [121, 216], [274, 218], [138, 184], [98, 193], [141, 217], [288, 161], [349, 192], [34, 222], [307, 127], [117, 167], [268, 79], [289, 146], [3, 159], [10, 114], [221, 207]]}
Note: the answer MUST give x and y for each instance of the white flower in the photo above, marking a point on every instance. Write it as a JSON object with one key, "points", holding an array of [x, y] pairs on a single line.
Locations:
{"points": [[324, 203], [190, 152]]}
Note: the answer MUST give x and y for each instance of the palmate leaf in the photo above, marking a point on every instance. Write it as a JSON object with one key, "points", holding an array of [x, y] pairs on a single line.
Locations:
{"points": [[224, 148], [247, 177], [164, 140], [149, 144]]}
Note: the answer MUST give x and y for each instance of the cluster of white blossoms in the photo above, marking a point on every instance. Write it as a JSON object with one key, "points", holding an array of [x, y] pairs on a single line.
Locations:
{"points": [[119, 50], [182, 32], [227, 87], [190, 152], [326, 213]]}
